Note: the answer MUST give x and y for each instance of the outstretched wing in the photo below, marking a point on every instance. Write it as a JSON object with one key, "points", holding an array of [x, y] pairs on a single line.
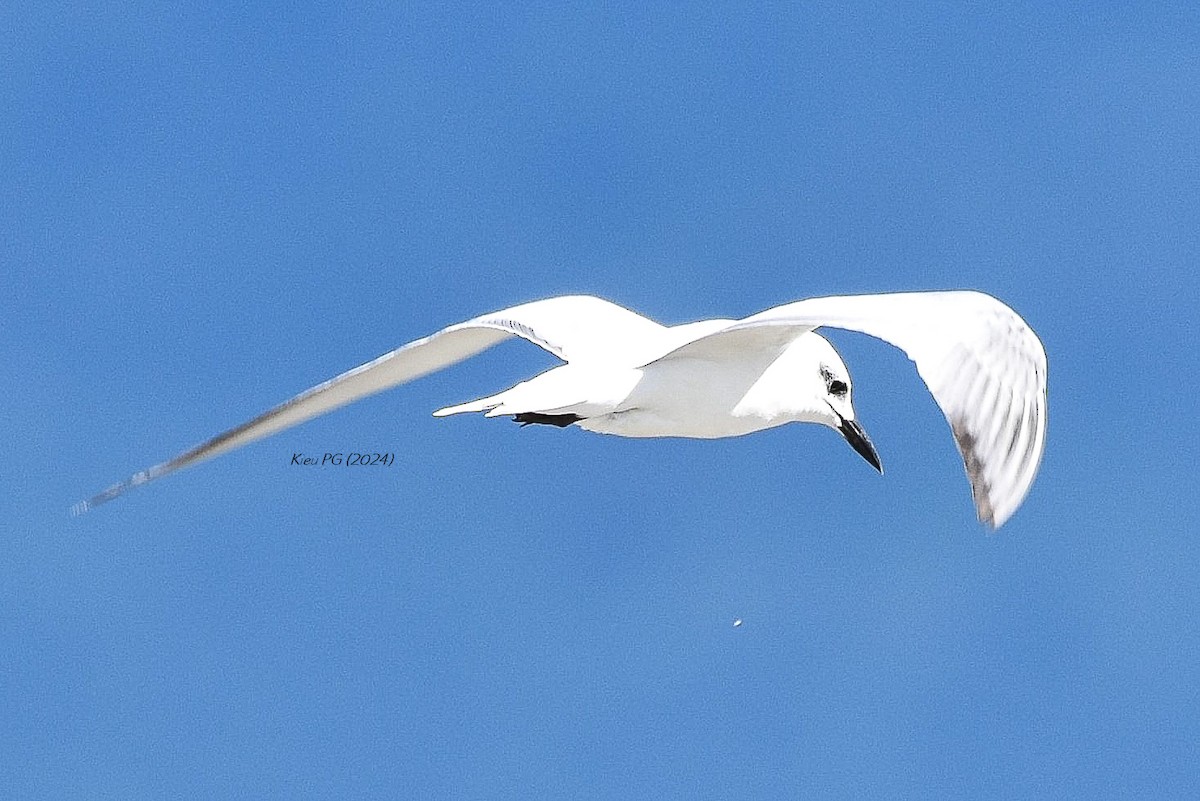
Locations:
{"points": [[984, 365], [574, 328]]}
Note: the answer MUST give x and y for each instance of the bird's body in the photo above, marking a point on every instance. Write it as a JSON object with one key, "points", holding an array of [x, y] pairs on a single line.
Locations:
{"points": [[700, 397], [628, 376]]}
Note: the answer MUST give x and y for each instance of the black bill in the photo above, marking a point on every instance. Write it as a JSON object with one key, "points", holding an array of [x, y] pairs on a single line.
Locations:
{"points": [[859, 440]]}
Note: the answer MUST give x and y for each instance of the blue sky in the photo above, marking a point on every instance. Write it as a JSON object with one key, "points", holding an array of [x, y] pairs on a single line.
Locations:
{"points": [[206, 211]]}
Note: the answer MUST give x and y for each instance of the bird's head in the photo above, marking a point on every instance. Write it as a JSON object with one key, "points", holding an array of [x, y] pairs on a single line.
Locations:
{"points": [[827, 391]]}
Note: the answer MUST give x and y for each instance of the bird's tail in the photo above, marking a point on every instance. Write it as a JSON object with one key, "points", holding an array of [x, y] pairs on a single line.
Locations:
{"points": [[481, 405]]}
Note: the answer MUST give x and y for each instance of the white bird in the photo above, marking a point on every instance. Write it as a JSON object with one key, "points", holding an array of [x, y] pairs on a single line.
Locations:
{"points": [[626, 375]]}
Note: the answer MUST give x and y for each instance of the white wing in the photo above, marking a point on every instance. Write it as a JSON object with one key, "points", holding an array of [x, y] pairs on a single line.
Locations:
{"points": [[574, 328], [984, 365]]}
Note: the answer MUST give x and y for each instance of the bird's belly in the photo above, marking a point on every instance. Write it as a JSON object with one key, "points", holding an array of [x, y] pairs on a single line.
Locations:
{"points": [[655, 423], [691, 399]]}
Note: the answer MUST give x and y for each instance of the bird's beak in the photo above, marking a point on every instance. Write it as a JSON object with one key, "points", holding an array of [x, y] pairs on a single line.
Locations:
{"points": [[859, 440]]}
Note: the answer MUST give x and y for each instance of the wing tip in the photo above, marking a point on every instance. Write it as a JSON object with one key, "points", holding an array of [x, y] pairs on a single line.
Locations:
{"points": [[120, 488], [83, 507], [981, 491], [992, 511]]}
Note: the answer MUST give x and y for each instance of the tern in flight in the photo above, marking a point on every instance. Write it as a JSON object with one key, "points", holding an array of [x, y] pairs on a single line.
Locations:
{"points": [[626, 375]]}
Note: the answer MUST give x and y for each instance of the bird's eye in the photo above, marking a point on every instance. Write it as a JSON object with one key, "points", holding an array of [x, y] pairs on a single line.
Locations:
{"points": [[837, 387]]}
